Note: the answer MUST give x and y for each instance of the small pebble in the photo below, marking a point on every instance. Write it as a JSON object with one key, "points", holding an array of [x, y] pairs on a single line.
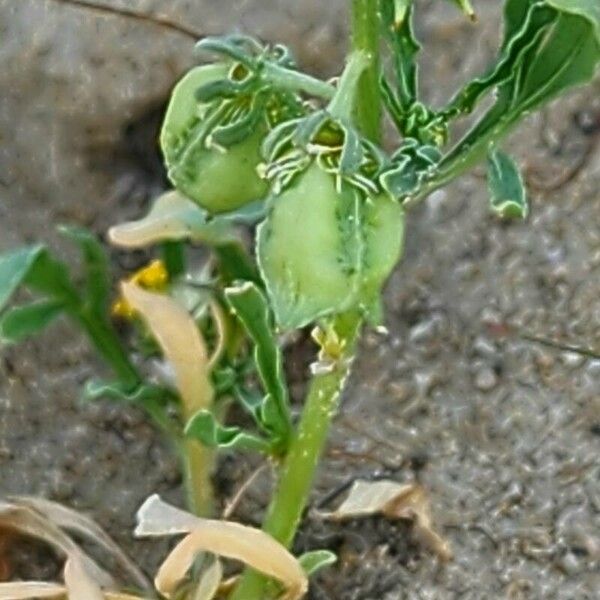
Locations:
{"points": [[486, 379]]}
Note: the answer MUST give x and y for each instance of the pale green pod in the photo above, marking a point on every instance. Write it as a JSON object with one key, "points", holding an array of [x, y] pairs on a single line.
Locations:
{"points": [[309, 249], [324, 250], [383, 227], [218, 179]]}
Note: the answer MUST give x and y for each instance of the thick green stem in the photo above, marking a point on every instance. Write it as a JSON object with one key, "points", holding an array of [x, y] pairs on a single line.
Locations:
{"points": [[366, 29], [300, 463], [343, 104]]}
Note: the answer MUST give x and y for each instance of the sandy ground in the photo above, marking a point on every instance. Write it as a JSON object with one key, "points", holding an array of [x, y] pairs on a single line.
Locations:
{"points": [[503, 432]]}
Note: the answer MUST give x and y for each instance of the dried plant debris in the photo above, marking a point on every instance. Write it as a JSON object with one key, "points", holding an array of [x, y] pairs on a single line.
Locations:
{"points": [[394, 501], [84, 579], [223, 538]]}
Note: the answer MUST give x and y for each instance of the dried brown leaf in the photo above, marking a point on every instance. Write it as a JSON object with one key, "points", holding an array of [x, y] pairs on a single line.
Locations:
{"points": [[30, 590], [181, 342], [67, 518], [79, 584], [27, 521], [394, 501], [223, 538]]}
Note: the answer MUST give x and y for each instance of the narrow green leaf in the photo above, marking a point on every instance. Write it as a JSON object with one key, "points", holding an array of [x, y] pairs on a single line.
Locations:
{"points": [[22, 321], [316, 560], [123, 392], [14, 267], [251, 307], [397, 21], [33, 266], [204, 427], [95, 261], [507, 190]]}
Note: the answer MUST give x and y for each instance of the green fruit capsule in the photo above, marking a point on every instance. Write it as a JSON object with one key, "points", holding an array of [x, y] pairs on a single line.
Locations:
{"points": [[384, 232], [218, 179], [322, 250]]}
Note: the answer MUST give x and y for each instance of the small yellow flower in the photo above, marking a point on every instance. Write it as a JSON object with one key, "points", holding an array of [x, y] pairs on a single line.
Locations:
{"points": [[153, 276]]}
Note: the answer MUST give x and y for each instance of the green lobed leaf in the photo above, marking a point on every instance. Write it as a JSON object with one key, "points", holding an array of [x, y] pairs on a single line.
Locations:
{"points": [[22, 321], [316, 560], [123, 392], [204, 427], [507, 190], [397, 20], [252, 308], [549, 47]]}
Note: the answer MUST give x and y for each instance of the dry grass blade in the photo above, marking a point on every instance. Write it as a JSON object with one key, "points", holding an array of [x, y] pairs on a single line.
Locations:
{"points": [[30, 590], [27, 521], [394, 501], [79, 584], [67, 518], [230, 540]]}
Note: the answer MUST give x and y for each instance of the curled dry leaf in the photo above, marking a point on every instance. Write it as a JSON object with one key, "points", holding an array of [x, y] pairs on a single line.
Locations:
{"points": [[80, 586], [173, 217], [71, 520], [29, 590], [231, 540], [394, 501], [29, 522]]}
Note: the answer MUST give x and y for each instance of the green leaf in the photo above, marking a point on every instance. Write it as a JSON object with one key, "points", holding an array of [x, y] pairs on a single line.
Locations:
{"points": [[22, 321], [33, 266], [14, 267], [251, 307], [123, 392], [397, 21], [507, 190], [95, 262], [549, 47], [154, 399], [204, 427], [316, 560]]}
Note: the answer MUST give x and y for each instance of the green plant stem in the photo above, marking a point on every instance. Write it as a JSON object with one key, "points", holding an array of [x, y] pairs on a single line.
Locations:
{"points": [[343, 104], [366, 29], [107, 342], [300, 463], [298, 470], [297, 81]]}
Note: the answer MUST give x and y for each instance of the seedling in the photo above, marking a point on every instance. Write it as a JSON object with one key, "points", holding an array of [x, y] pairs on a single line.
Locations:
{"points": [[249, 139]]}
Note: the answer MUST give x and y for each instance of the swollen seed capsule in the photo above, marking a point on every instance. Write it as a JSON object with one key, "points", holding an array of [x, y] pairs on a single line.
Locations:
{"points": [[219, 179], [323, 250], [308, 255], [383, 227]]}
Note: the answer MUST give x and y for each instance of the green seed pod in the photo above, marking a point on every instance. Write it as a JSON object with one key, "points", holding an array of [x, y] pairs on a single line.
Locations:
{"points": [[220, 179], [383, 227], [325, 248]]}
